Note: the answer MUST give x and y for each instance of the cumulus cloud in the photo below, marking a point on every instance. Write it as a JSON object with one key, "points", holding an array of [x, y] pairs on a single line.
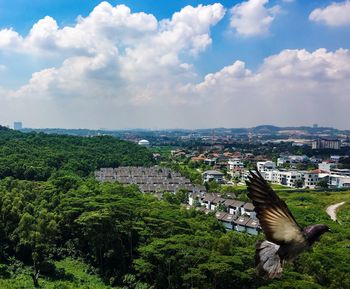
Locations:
{"points": [[336, 14], [121, 69], [295, 86], [252, 17]]}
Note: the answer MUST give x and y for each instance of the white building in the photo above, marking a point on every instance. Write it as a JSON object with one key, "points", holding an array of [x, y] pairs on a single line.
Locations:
{"points": [[235, 164], [144, 143], [212, 175], [265, 166], [338, 181], [289, 178], [311, 178], [326, 166]]}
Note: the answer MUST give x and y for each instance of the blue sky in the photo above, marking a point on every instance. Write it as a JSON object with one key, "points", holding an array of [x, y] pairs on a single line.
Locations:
{"points": [[290, 27], [290, 30]]}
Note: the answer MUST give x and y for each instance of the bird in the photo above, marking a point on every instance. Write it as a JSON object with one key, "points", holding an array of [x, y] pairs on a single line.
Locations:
{"points": [[285, 239]]}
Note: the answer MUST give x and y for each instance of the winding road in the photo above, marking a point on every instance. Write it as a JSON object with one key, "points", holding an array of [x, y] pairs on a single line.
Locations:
{"points": [[331, 210]]}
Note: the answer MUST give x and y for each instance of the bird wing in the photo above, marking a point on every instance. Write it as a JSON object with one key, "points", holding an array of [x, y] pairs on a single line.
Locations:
{"points": [[275, 218]]}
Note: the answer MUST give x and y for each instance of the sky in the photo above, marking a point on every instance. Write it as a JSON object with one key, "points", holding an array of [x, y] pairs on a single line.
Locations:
{"points": [[181, 64]]}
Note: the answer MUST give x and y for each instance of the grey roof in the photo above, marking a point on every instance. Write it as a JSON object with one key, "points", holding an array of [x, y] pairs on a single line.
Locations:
{"points": [[212, 172], [218, 200], [229, 202], [242, 220], [249, 207], [253, 223], [209, 197], [228, 218], [237, 204], [220, 215]]}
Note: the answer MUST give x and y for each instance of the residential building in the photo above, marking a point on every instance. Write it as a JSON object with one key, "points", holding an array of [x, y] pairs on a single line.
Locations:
{"points": [[235, 164], [327, 166], [338, 181], [311, 178], [265, 166], [212, 175], [288, 178], [323, 143], [340, 172]]}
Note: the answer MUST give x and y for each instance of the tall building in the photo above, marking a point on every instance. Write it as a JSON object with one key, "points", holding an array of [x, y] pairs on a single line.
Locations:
{"points": [[326, 144], [17, 125]]}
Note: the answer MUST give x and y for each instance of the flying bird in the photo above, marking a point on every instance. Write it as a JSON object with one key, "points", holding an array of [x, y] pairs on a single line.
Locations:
{"points": [[285, 239]]}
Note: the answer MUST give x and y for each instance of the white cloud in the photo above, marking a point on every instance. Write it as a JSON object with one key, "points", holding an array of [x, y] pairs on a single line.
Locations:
{"points": [[336, 14], [294, 86], [123, 69], [2, 67], [252, 17], [114, 53]]}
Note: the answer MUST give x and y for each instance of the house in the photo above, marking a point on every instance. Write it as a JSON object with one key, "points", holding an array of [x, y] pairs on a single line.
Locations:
{"points": [[235, 164], [248, 209], [241, 223], [210, 162], [327, 166], [235, 207], [216, 203], [252, 226], [340, 172], [207, 200], [339, 181], [212, 175], [228, 221], [265, 166], [311, 178], [289, 178]]}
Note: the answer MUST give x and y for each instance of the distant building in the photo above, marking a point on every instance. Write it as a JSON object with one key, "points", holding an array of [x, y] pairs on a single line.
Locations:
{"points": [[327, 166], [144, 143], [311, 178], [17, 125], [235, 164], [265, 166], [323, 143], [338, 181], [213, 175]]}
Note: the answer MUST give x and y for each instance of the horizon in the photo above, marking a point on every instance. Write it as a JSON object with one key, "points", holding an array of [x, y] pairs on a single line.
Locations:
{"points": [[178, 128]]}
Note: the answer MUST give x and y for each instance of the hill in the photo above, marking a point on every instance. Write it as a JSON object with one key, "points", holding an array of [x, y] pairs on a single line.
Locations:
{"points": [[36, 156]]}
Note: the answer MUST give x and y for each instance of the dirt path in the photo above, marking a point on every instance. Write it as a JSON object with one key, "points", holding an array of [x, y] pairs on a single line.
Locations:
{"points": [[331, 210]]}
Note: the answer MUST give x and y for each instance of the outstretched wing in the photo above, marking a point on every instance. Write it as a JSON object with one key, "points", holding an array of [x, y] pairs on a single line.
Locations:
{"points": [[275, 218]]}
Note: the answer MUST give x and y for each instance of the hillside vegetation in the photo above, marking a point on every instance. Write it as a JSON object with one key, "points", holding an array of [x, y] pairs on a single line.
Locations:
{"points": [[36, 156], [69, 231]]}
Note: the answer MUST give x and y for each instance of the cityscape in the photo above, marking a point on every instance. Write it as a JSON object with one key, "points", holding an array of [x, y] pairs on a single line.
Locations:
{"points": [[175, 144]]}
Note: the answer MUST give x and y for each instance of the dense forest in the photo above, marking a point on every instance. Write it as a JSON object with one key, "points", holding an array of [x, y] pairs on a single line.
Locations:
{"points": [[36, 156], [66, 230]]}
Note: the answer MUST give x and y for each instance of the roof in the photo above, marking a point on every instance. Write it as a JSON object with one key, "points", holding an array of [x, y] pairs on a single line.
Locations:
{"points": [[218, 200], [253, 223], [220, 215], [229, 202], [228, 218], [237, 204], [242, 220], [249, 206], [317, 171], [209, 198], [212, 172]]}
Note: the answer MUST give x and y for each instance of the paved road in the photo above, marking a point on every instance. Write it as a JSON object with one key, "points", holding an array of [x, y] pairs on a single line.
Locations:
{"points": [[331, 210]]}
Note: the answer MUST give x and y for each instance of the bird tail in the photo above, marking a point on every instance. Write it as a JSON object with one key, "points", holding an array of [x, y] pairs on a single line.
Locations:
{"points": [[267, 261]]}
